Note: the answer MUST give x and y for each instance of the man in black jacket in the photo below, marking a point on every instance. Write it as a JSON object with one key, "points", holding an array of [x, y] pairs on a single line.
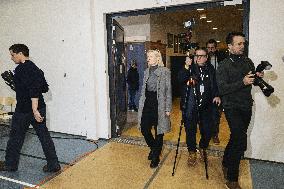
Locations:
{"points": [[199, 83], [235, 79], [30, 109], [133, 85], [214, 58]]}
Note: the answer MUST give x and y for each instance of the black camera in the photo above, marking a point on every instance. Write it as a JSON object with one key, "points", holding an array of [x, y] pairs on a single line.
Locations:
{"points": [[265, 87], [189, 24], [8, 76]]}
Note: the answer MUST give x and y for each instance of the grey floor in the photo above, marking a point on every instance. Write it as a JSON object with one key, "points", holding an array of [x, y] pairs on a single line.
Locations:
{"points": [[265, 175], [32, 158]]}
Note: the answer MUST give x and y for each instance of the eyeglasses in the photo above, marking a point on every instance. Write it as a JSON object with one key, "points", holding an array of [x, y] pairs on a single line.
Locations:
{"points": [[200, 56]]}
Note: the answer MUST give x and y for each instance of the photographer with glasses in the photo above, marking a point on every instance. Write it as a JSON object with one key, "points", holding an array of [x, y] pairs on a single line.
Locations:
{"points": [[199, 83], [235, 79]]}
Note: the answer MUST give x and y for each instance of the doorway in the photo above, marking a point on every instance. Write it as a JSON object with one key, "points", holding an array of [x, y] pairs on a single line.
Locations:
{"points": [[165, 28]]}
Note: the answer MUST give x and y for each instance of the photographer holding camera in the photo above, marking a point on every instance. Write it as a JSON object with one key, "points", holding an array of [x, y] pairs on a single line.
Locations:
{"points": [[235, 78], [199, 93], [29, 84]]}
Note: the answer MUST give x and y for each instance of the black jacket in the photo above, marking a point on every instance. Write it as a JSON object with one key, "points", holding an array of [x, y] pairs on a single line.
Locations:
{"points": [[220, 56], [233, 92], [184, 75], [133, 78], [28, 85]]}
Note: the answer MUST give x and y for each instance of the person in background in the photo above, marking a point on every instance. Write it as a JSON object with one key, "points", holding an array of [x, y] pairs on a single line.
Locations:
{"points": [[155, 105], [235, 79], [198, 81], [214, 58], [133, 85], [30, 110]]}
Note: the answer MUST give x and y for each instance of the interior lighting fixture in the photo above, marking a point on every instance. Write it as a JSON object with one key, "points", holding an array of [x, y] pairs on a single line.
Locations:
{"points": [[202, 16]]}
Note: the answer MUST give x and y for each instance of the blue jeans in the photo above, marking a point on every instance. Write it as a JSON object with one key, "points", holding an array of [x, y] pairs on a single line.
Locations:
{"points": [[19, 127], [132, 95]]}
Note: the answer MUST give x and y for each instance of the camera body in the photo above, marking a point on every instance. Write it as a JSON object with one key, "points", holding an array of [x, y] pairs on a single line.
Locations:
{"points": [[189, 24], [8, 77], [258, 81]]}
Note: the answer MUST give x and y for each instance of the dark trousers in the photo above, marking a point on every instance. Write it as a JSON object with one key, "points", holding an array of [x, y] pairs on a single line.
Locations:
{"points": [[205, 121], [19, 127], [132, 95], [238, 121], [149, 120], [216, 112]]}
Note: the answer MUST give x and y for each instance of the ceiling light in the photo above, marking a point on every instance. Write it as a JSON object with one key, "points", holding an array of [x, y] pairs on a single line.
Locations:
{"points": [[218, 41], [214, 28], [200, 9], [209, 21], [202, 16]]}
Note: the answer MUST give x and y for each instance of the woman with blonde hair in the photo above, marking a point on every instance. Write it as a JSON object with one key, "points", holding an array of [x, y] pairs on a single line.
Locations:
{"points": [[155, 105]]}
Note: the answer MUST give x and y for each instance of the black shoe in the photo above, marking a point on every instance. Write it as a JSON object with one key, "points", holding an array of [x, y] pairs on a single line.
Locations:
{"points": [[155, 158], [3, 167], [155, 162], [150, 156], [47, 169]]}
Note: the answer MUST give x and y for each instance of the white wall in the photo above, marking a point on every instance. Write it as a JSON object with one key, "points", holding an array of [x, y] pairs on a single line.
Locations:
{"points": [[266, 140], [58, 33]]}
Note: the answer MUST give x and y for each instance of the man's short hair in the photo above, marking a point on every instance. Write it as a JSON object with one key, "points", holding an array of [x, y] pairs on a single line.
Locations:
{"points": [[212, 41], [231, 35], [202, 49], [17, 48]]}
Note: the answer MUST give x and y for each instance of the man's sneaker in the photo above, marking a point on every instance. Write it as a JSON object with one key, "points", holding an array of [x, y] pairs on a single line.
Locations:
{"points": [[192, 158], [232, 185], [3, 167], [216, 140], [47, 169]]}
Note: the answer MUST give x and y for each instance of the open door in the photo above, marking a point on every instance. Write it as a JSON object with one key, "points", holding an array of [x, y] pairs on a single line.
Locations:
{"points": [[117, 76]]}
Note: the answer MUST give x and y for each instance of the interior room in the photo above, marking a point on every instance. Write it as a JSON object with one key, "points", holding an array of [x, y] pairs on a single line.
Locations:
{"points": [[166, 32], [85, 49]]}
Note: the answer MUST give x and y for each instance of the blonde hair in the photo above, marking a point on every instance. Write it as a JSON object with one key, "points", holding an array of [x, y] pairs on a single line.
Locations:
{"points": [[158, 55]]}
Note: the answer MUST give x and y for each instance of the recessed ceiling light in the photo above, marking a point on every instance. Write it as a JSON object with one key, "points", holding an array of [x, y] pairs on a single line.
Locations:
{"points": [[200, 9], [202, 16], [215, 28], [218, 41], [209, 21]]}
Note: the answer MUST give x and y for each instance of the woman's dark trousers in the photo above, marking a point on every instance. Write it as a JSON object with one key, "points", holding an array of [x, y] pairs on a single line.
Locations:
{"points": [[150, 119]]}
